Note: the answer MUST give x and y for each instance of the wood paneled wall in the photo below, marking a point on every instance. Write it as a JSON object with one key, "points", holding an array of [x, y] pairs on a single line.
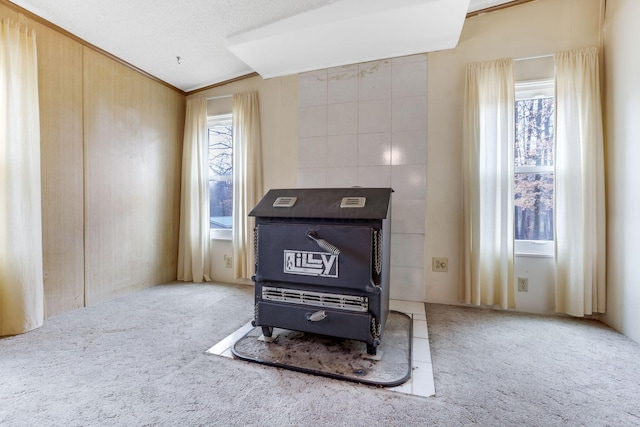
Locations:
{"points": [[133, 129], [61, 152], [111, 148]]}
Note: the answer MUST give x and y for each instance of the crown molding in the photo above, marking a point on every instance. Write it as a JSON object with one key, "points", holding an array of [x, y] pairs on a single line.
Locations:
{"points": [[496, 8], [84, 43]]}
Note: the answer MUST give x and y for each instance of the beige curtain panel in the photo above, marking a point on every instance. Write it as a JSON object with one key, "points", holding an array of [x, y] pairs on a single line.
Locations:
{"points": [[194, 257], [247, 179], [21, 277], [579, 192], [488, 184]]}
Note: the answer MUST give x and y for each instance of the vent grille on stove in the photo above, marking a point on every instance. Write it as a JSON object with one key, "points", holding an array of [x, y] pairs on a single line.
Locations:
{"points": [[353, 202], [317, 299], [284, 202]]}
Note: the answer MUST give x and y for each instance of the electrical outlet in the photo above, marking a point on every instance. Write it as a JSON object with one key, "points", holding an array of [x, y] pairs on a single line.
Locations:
{"points": [[523, 284], [440, 264], [228, 261]]}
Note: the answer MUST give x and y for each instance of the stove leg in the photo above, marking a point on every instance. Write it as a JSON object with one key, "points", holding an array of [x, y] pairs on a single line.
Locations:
{"points": [[372, 349], [267, 331]]}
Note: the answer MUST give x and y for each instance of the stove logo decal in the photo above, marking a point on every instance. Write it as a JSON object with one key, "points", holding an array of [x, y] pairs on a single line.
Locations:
{"points": [[306, 263]]}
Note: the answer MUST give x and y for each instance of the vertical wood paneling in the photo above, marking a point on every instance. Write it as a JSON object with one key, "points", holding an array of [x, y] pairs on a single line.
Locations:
{"points": [[133, 129], [61, 151], [111, 149], [5, 12]]}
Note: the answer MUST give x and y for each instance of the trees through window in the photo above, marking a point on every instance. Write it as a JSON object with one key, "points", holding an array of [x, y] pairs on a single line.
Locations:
{"points": [[533, 168], [220, 172]]}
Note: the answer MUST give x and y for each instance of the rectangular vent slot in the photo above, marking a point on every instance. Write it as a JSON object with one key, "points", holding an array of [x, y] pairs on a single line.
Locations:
{"points": [[353, 202], [316, 299], [284, 202]]}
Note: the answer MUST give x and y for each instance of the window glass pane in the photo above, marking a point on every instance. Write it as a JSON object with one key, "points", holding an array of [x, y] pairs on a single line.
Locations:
{"points": [[533, 204], [220, 151], [221, 203], [221, 176], [533, 161], [534, 132]]}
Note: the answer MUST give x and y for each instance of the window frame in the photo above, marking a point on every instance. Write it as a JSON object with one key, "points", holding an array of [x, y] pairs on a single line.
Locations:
{"points": [[212, 121], [530, 89]]}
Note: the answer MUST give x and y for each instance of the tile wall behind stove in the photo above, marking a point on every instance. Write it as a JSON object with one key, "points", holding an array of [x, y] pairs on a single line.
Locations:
{"points": [[366, 125]]}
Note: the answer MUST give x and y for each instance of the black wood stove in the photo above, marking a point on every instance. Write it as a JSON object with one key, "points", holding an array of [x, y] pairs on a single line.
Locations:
{"points": [[322, 262]]}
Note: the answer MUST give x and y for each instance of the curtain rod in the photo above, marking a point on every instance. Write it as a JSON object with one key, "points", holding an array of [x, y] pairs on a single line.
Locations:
{"points": [[219, 97], [549, 55]]}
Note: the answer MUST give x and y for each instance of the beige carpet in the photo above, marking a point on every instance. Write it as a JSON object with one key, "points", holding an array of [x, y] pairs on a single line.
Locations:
{"points": [[140, 360]]}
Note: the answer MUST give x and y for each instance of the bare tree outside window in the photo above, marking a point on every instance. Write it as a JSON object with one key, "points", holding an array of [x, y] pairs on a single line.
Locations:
{"points": [[221, 175], [533, 152]]}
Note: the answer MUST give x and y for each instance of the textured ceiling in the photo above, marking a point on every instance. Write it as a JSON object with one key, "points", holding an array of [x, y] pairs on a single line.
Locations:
{"points": [[151, 34]]}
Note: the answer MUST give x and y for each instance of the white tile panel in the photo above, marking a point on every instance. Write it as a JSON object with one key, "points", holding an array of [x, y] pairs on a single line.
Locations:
{"points": [[374, 176], [374, 80], [342, 150], [361, 149], [312, 177], [374, 149], [374, 116], [406, 388], [423, 382], [343, 84], [408, 216], [312, 152], [409, 113], [409, 78], [225, 345], [420, 329], [341, 177], [312, 121], [312, 89], [407, 283], [413, 308], [407, 250], [409, 147], [421, 350], [409, 182], [342, 118]]}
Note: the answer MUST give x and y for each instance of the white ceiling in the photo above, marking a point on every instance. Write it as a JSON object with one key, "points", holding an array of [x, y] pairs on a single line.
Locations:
{"points": [[346, 33], [151, 34]]}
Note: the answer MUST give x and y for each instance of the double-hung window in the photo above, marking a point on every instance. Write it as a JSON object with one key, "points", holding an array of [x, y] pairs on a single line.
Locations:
{"points": [[220, 176], [533, 168]]}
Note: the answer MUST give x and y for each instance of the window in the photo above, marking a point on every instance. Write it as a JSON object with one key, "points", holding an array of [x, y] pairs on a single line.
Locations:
{"points": [[220, 175], [533, 168]]}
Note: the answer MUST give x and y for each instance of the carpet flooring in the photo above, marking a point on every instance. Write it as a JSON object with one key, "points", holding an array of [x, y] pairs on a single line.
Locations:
{"points": [[140, 360]]}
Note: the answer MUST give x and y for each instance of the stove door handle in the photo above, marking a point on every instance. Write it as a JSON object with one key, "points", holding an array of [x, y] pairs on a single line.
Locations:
{"points": [[323, 243], [317, 316]]}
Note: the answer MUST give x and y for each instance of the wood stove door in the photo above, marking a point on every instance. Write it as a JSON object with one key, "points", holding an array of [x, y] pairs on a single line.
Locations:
{"points": [[337, 323], [303, 253]]}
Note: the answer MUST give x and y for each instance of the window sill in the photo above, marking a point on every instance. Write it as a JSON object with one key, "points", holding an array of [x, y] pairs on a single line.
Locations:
{"points": [[221, 234], [533, 255], [534, 248]]}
